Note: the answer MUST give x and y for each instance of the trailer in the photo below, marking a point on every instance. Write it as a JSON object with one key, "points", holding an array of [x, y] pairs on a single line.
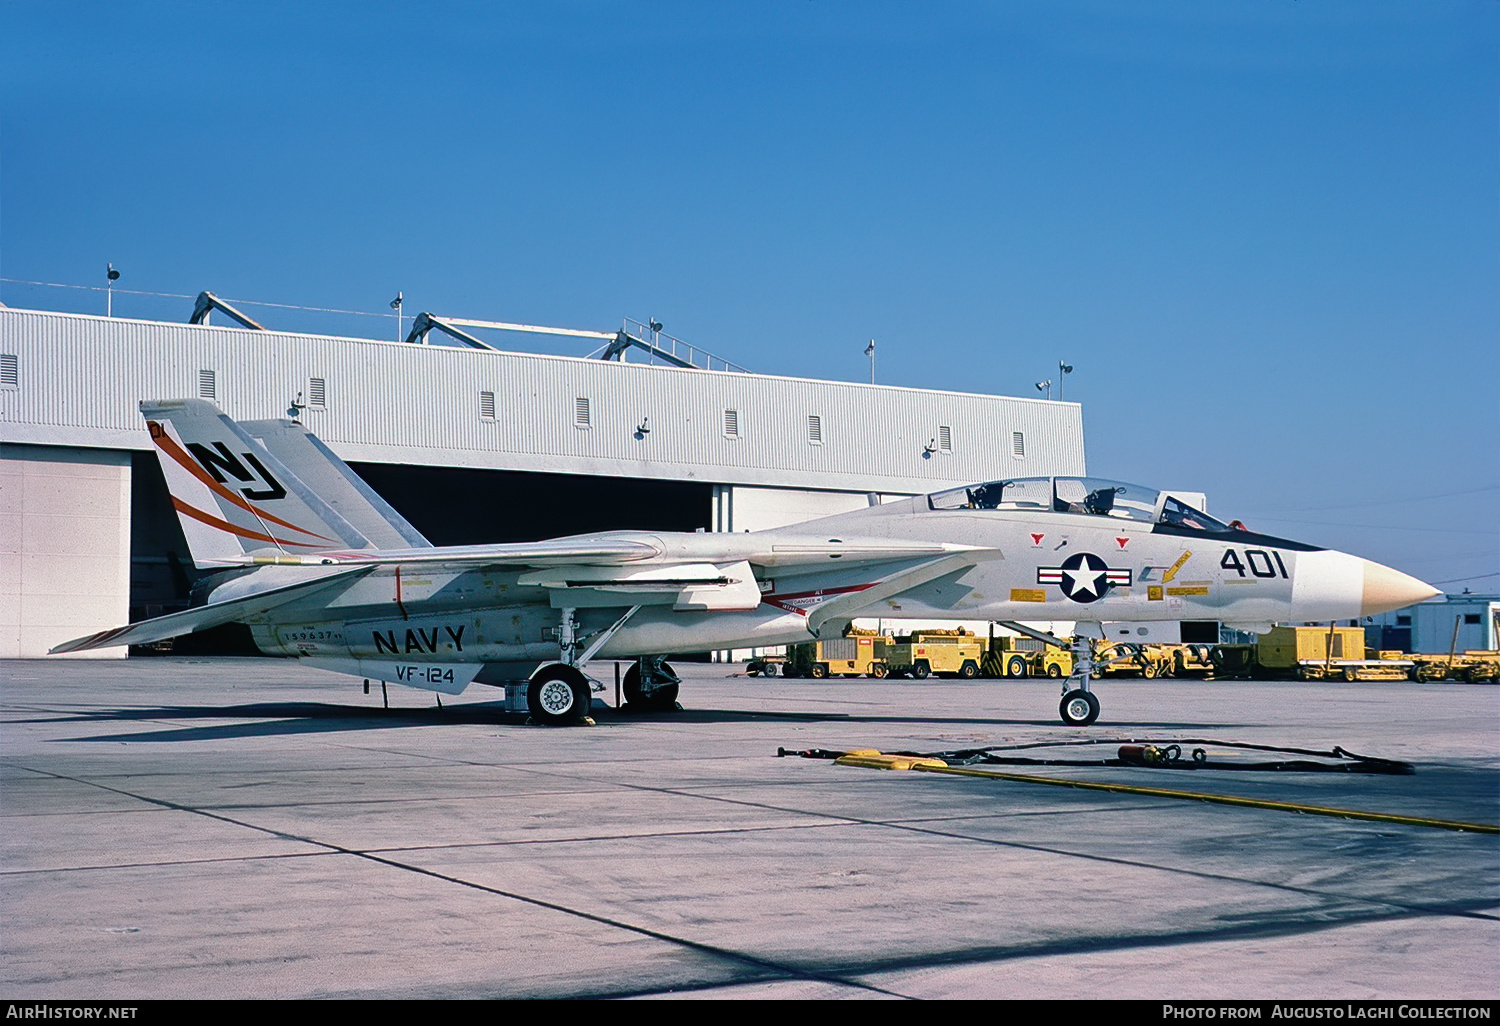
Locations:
{"points": [[857, 653]]}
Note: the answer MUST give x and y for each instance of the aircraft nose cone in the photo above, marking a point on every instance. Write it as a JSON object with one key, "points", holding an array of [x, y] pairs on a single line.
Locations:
{"points": [[1386, 589]]}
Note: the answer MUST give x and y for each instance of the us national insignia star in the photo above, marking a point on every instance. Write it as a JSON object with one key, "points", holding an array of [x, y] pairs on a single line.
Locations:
{"points": [[1084, 577]]}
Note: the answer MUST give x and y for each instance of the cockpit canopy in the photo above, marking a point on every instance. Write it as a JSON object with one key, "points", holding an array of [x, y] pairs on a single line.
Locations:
{"points": [[1091, 496]]}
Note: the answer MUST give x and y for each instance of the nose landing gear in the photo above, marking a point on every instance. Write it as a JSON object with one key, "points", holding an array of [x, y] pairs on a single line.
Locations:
{"points": [[1080, 706]]}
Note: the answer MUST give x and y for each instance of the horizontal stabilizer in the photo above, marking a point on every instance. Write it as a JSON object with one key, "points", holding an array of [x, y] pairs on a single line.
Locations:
{"points": [[213, 615]]}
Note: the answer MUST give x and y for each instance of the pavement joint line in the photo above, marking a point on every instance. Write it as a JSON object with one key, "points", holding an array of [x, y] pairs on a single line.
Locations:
{"points": [[1074, 946], [777, 969], [1108, 859], [165, 863]]}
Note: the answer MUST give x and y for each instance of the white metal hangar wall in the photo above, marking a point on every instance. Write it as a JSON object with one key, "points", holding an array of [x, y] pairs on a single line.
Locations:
{"points": [[766, 451]]}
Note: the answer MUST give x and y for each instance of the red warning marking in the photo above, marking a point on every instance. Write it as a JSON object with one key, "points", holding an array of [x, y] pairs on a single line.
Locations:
{"points": [[1036, 539], [1122, 541]]}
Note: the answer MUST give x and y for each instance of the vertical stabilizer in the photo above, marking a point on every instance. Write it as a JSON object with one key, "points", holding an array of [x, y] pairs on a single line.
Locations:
{"points": [[305, 455], [237, 502]]}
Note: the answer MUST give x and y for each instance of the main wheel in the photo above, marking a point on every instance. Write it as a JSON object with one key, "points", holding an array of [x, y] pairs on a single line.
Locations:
{"points": [[968, 671], [922, 670], [1079, 708], [558, 696], [1015, 666], [662, 696]]}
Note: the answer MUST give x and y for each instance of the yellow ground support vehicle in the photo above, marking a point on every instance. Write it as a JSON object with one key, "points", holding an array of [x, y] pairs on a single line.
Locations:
{"points": [[1194, 660], [1025, 657], [920, 654], [1473, 666], [1130, 659], [857, 653], [1287, 648]]}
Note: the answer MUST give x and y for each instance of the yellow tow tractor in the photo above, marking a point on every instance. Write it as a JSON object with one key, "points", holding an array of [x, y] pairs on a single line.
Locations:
{"points": [[1025, 657]]}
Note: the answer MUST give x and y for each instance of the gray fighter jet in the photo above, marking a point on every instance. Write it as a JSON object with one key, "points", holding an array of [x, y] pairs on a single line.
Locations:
{"points": [[321, 568]]}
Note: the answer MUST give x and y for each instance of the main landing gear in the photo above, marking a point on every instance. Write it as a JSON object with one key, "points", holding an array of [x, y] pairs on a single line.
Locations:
{"points": [[651, 685], [560, 694], [1080, 706]]}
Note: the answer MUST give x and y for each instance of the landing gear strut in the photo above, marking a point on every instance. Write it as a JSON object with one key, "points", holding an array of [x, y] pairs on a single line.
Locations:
{"points": [[651, 685], [1080, 706]]}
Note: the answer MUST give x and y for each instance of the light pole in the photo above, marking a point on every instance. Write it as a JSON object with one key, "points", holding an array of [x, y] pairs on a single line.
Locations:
{"points": [[870, 352], [1063, 370], [110, 277], [396, 306], [1045, 386]]}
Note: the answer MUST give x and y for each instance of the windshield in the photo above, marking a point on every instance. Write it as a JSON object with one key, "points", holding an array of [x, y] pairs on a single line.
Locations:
{"points": [[1176, 513]]}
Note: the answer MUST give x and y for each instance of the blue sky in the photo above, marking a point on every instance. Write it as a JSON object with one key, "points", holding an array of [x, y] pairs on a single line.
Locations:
{"points": [[1264, 232]]}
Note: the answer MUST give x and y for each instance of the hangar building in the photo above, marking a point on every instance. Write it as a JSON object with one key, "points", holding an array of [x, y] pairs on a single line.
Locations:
{"points": [[469, 444]]}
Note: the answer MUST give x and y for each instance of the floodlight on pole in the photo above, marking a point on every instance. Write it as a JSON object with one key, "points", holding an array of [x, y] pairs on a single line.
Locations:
{"points": [[396, 306], [870, 352], [1063, 369], [1045, 386], [110, 277]]}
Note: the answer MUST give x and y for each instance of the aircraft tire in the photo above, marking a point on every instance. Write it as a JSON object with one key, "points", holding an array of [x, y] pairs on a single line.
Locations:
{"points": [[663, 699], [1079, 708], [559, 696], [922, 670], [1015, 666]]}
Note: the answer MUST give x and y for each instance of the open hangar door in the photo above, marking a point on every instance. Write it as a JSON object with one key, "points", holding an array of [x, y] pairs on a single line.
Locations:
{"points": [[455, 506]]}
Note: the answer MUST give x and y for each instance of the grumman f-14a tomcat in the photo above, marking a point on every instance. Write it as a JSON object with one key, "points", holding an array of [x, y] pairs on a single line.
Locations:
{"points": [[321, 568]]}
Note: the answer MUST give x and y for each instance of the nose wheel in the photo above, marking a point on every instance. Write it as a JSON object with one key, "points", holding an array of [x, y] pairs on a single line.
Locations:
{"points": [[1079, 708]]}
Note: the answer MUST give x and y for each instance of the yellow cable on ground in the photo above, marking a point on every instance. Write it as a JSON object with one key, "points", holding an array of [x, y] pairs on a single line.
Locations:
{"points": [[1200, 796]]}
